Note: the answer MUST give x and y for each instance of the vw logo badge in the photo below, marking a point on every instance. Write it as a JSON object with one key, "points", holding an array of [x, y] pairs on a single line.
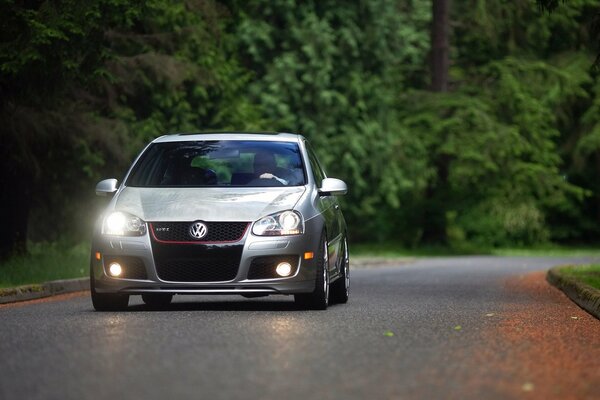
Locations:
{"points": [[198, 230]]}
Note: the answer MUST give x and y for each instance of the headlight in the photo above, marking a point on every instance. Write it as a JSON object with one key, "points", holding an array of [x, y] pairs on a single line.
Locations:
{"points": [[123, 224], [284, 223]]}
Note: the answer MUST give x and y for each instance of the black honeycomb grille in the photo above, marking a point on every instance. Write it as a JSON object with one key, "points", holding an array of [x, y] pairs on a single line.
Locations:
{"points": [[264, 267], [133, 267], [205, 269], [216, 231], [196, 262]]}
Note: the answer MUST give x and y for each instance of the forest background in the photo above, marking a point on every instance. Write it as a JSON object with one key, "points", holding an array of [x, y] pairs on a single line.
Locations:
{"points": [[507, 154]]}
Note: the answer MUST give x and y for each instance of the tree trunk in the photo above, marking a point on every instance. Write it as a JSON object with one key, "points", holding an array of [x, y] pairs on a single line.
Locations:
{"points": [[437, 191], [437, 196], [440, 45], [14, 214], [597, 192], [16, 181]]}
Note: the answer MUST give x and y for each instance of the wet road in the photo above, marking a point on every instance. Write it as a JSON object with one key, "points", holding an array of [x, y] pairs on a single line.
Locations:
{"points": [[459, 327]]}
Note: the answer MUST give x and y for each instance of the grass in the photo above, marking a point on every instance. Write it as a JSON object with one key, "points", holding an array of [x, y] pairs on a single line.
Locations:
{"points": [[45, 262], [392, 250], [588, 274]]}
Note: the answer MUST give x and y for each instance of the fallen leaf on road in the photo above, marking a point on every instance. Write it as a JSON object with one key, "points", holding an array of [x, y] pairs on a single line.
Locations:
{"points": [[457, 328], [388, 333], [528, 387]]}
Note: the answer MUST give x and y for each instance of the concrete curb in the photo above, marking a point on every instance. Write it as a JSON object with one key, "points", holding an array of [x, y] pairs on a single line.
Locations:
{"points": [[583, 295], [30, 292]]}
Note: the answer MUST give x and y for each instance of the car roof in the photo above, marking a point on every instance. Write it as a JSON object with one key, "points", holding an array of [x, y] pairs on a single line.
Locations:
{"points": [[259, 136]]}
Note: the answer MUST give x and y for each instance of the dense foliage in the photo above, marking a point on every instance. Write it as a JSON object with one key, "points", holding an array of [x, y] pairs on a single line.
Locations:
{"points": [[509, 155]]}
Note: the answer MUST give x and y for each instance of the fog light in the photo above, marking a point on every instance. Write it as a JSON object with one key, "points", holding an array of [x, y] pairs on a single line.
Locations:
{"points": [[115, 269], [283, 269]]}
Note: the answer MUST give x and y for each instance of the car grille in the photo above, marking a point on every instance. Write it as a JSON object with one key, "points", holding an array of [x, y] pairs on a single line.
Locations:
{"points": [[196, 262], [264, 267], [216, 232], [133, 267], [197, 270]]}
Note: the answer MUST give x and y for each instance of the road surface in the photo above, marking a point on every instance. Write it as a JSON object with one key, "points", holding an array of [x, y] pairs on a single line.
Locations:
{"points": [[459, 327]]}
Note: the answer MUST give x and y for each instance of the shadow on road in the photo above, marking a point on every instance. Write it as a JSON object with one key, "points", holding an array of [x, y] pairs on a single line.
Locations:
{"points": [[239, 305]]}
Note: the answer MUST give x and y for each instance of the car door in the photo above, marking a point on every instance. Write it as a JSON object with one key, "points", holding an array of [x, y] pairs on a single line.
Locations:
{"points": [[329, 207]]}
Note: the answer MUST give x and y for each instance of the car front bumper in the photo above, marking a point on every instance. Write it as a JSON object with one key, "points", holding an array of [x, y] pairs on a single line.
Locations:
{"points": [[301, 281]]}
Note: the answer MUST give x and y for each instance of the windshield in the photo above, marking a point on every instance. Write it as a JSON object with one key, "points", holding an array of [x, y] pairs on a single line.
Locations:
{"points": [[219, 163]]}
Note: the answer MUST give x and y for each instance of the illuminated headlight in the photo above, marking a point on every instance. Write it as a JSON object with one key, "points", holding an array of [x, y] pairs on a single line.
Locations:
{"points": [[284, 223], [123, 224]]}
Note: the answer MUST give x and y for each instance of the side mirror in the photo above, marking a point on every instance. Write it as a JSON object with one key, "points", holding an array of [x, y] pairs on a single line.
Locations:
{"points": [[332, 186], [106, 187]]}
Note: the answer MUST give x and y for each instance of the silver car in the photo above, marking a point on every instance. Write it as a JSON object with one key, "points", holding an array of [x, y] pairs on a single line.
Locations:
{"points": [[221, 213]]}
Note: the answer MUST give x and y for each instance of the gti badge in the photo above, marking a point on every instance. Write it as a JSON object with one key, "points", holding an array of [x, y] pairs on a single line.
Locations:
{"points": [[198, 230]]}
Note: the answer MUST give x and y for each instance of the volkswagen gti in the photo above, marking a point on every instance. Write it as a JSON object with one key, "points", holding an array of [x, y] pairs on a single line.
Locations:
{"points": [[221, 213]]}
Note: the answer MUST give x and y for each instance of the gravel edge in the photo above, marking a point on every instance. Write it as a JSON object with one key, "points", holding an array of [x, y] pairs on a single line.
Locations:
{"points": [[47, 289], [583, 295]]}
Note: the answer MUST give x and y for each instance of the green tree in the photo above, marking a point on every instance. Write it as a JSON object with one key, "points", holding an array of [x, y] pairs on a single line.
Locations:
{"points": [[49, 51], [508, 156], [333, 73], [86, 84]]}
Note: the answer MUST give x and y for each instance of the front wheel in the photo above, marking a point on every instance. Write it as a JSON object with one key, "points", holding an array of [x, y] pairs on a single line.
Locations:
{"points": [[340, 289], [107, 301], [319, 298]]}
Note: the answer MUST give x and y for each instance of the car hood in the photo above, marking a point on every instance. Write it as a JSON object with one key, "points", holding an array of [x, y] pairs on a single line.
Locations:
{"points": [[206, 204]]}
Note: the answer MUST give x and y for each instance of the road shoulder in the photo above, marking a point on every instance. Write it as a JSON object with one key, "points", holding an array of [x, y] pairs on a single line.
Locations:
{"points": [[583, 295], [47, 289]]}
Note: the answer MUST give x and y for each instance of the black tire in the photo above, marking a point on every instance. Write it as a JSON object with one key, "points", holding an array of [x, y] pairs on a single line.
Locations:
{"points": [[110, 301], [319, 298], [107, 301], [340, 289], [157, 300]]}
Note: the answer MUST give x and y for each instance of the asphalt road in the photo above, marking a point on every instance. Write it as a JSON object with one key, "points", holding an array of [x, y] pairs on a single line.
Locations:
{"points": [[420, 330]]}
